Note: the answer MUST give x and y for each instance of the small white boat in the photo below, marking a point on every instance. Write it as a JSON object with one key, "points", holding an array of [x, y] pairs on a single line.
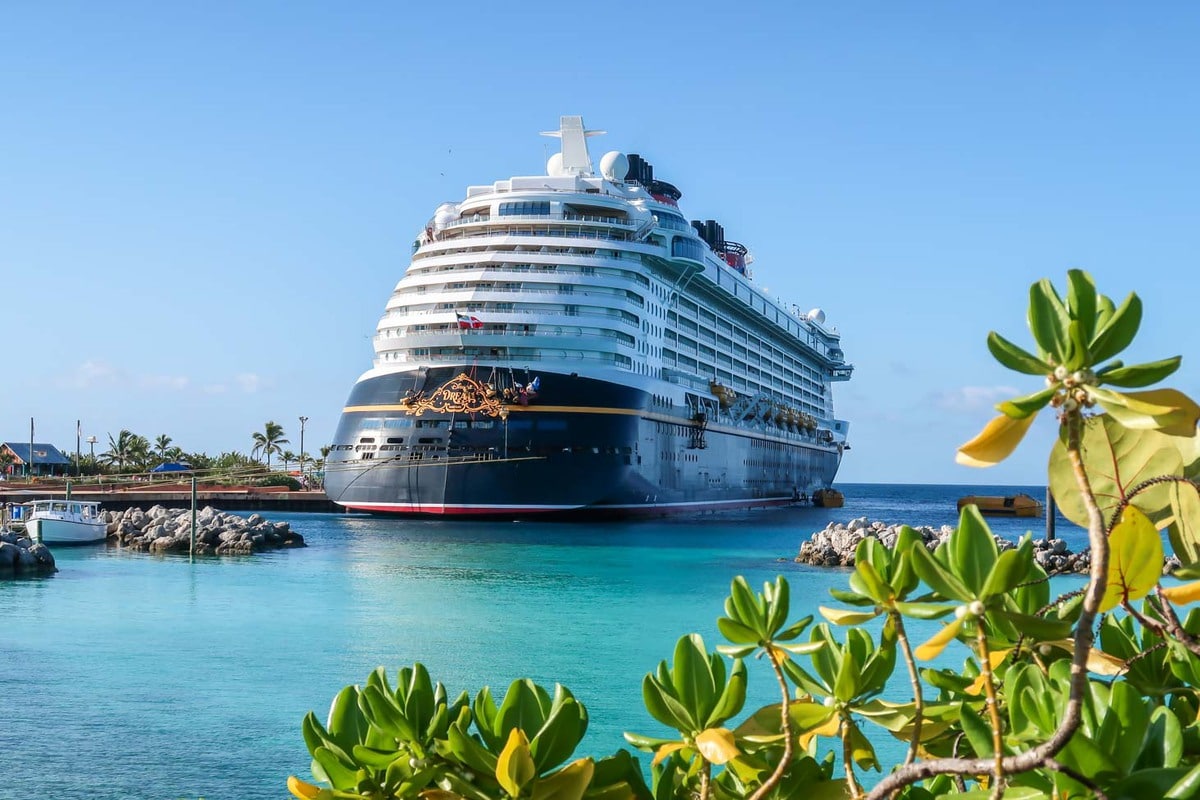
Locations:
{"points": [[62, 521]]}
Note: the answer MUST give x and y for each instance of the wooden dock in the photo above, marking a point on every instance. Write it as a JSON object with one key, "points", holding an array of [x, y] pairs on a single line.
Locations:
{"points": [[225, 498]]}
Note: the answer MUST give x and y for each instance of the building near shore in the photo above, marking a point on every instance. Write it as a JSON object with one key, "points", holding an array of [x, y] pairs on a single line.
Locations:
{"points": [[42, 459]]}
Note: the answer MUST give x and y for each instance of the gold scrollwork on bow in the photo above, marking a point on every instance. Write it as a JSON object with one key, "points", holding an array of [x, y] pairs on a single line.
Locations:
{"points": [[459, 395]]}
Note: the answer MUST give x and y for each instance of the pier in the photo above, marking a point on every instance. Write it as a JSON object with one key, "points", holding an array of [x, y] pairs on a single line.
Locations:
{"points": [[226, 498]]}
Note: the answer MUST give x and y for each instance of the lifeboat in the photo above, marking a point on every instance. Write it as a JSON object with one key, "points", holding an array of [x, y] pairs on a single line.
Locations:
{"points": [[725, 396], [1013, 505], [780, 415], [828, 498]]}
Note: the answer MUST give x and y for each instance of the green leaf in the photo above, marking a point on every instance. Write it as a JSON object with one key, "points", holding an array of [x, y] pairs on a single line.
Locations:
{"points": [[777, 606], [745, 606], [924, 610], [1048, 320], [1118, 330], [1010, 569], [1116, 460], [736, 632], [381, 711], [560, 735], [691, 677], [337, 772], [1015, 358], [732, 698], [1142, 374], [665, 708], [1187, 787], [1038, 628], [346, 724], [1164, 741], [979, 733], [1081, 300], [1183, 525], [1027, 406], [866, 581], [1135, 559], [972, 549], [939, 579]]}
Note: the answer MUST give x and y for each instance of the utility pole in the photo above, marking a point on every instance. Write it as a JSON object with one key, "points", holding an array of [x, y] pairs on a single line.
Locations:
{"points": [[302, 421]]}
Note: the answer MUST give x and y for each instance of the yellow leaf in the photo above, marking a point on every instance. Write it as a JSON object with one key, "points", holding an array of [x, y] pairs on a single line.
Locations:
{"points": [[995, 658], [1184, 414], [569, 783], [1182, 594], [995, 442], [842, 616], [1098, 661], [514, 767], [937, 643], [1135, 559], [305, 791], [829, 727], [717, 745], [439, 794], [666, 750]]}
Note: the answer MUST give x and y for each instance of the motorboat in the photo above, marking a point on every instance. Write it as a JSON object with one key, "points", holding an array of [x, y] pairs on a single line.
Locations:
{"points": [[54, 522], [1012, 505], [828, 498]]}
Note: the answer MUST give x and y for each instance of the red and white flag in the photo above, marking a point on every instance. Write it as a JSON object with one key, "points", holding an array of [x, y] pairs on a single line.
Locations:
{"points": [[467, 321]]}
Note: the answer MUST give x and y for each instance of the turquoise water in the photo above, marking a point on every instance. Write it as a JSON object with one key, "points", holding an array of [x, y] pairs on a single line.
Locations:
{"points": [[131, 675]]}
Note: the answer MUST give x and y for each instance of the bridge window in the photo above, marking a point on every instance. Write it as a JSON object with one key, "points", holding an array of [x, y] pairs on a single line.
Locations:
{"points": [[529, 208]]}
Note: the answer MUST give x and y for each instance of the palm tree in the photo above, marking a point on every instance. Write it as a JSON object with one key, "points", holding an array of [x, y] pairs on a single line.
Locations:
{"points": [[121, 449], [269, 441], [288, 457], [162, 444]]}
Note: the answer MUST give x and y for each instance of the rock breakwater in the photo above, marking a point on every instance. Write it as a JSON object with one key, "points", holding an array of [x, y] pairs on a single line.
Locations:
{"points": [[20, 555], [835, 545], [165, 530]]}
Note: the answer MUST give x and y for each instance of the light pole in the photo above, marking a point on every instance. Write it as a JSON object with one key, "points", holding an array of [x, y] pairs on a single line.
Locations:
{"points": [[302, 421], [91, 440]]}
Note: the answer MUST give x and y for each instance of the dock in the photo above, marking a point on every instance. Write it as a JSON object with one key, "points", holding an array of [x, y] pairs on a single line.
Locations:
{"points": [[225, 498]]}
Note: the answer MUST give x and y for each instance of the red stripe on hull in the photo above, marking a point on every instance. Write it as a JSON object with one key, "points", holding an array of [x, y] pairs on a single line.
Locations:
{"points": [[641, 510]]}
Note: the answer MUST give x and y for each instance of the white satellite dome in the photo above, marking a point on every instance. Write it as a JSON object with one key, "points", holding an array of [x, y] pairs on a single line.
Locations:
{"points": [[445, 214], [817, 316], [554, 166], [614, 165]]}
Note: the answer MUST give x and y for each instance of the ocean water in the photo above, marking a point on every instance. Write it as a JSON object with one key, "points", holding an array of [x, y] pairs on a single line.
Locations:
{"points": [[128, 675]]}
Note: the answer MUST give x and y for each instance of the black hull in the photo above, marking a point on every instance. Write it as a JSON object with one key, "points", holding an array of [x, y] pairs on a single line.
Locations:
{"points": [[581, 448]]}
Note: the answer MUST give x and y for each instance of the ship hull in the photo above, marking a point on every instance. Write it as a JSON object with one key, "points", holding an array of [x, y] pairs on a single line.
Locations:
{"points": [[579, 447]]}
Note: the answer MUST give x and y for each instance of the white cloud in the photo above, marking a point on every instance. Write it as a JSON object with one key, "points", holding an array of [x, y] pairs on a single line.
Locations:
{"points": [[92, 375], [249, 383], [175, 383], [971, 399]]}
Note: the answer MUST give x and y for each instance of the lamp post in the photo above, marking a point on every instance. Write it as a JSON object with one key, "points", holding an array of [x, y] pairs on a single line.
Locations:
{"points": [[302, 421], [91, 440]]}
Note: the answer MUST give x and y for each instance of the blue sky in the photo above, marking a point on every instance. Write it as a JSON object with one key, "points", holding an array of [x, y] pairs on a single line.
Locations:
{"points": [[204, 207]]}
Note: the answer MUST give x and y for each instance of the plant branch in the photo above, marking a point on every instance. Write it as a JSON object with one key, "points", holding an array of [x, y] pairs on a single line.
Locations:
{"points": [[993, 705], [1091, 785], [915, 679], [848, 756], [1084, 637], [705, 773], [785, 725]]}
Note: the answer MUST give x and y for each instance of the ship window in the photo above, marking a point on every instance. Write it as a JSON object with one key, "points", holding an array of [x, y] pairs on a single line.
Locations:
{"points": [[683, 247], [428, 440], [371, 422], [431, 423], [401, 422], [481, 424], [540, 209], [394, 440], [520, 424], [366, 440]]}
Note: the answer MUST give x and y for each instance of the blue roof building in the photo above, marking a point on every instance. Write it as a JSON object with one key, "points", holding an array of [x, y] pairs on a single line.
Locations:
{"points": [[46, 458]]}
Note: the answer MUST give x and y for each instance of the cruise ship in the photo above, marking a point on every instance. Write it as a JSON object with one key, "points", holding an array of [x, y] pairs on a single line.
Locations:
{"points": [[569, 344]]}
